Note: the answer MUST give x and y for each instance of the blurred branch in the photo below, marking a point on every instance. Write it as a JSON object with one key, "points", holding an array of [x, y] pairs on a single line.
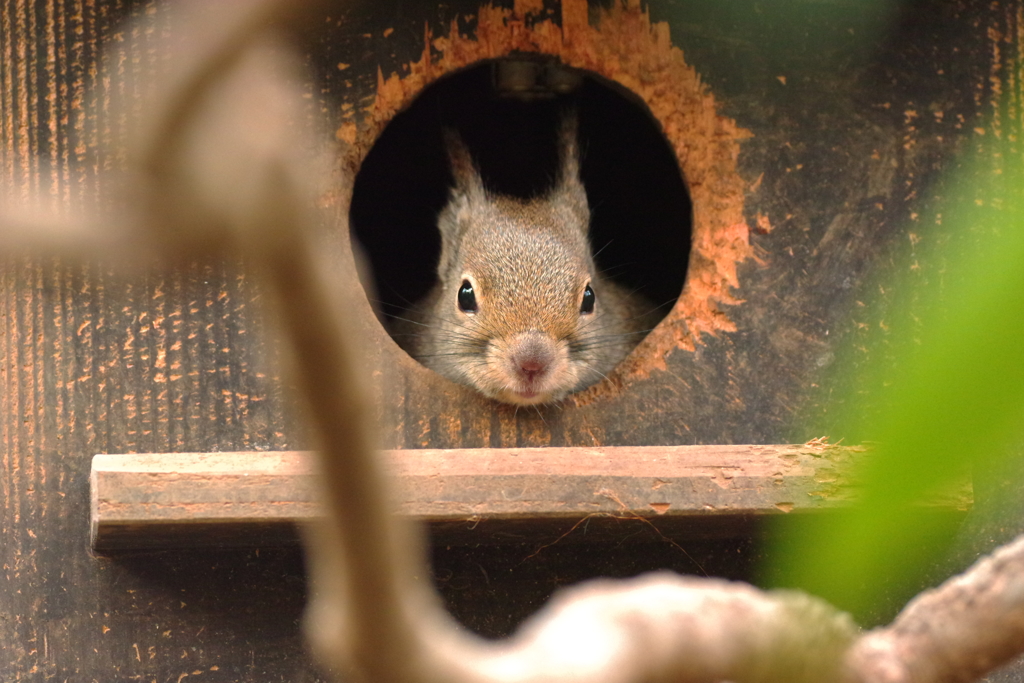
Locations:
{"points": [[957, 632]]}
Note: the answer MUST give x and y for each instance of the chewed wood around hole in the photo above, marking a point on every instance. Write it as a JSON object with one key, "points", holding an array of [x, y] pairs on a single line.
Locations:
{"points": [[619, 48], [509, 115]]}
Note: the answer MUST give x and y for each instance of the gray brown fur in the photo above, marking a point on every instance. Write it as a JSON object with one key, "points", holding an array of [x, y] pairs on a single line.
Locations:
{"points": [[529, 262]]}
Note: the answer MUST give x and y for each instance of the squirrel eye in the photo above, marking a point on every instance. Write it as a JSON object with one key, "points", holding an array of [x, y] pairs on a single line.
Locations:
{"points": [[467, 299], [588, 300]]}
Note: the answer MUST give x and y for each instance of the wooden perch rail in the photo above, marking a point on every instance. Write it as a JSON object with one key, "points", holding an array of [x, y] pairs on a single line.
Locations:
{"points": [[197, 499]]}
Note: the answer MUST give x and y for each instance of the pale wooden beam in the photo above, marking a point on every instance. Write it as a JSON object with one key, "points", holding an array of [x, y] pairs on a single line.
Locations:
{"points": [[476, 495]]}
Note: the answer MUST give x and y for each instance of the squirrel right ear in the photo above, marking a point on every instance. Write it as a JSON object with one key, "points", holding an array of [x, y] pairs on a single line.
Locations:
{"points": [[467, 177], [467, 193]]}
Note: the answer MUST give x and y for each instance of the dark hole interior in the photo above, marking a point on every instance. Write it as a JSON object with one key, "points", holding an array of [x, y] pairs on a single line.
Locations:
{"points": [[641, 211]]}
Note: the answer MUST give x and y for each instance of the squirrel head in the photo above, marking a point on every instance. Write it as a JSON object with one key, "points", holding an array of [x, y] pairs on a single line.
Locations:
{"points": [[519, 298]]}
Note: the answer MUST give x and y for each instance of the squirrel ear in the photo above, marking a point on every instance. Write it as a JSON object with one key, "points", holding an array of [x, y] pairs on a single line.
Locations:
{"points": [[569, 186], [467, 192], [467, 177], [569, 150]]}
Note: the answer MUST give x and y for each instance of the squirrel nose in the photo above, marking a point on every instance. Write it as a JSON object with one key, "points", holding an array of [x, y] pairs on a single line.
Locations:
{"points": [[531, 368], [532, 359]]}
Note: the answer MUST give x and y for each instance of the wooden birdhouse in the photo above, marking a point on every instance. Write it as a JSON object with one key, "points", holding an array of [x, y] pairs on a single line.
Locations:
{"points": [[759, 174]]}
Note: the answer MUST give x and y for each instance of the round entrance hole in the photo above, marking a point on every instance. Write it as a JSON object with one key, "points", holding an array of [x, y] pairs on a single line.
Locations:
{"points": [[507, 113]]}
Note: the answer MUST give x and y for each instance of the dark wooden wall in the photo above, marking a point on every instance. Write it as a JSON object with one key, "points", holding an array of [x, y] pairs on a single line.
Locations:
{"points": [[855, 111]]}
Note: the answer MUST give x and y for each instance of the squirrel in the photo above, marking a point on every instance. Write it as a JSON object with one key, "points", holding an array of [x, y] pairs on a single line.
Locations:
{"points": [[520, 311]]}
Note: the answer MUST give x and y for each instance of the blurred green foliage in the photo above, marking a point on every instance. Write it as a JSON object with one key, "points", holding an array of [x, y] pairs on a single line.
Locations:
{"points": [[953, 398]]}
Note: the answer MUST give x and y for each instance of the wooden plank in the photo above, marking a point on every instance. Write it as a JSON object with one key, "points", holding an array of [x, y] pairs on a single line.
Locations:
{"points": [[191, 499]]}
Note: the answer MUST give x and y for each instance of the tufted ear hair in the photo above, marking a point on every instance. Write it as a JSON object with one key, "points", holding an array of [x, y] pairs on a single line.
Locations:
{"points": [[568, 186], [467, 196], [467, 177]]}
